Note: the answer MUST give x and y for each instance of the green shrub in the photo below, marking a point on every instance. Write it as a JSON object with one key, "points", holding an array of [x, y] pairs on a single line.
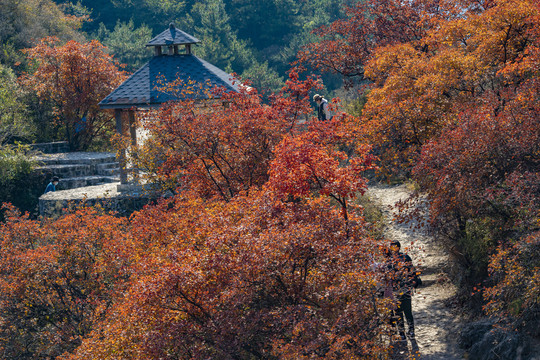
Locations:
{"points": [[19, 183], [13, 120]]}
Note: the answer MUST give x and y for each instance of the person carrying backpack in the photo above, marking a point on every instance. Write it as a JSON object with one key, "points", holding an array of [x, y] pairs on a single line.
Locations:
{"points": [[323, 111], [404, 279]]}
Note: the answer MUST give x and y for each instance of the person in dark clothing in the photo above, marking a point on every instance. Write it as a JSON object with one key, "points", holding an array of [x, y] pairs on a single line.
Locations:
{"points": [[52, 185], [323, 111], [403, 275]]}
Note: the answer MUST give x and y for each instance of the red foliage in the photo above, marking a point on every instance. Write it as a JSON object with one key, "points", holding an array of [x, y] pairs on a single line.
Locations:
{"points": [[57, 280], [481, 174], [313, 163], [428, 61], [252, 259], [218, 150], [516, 270], [252, 277], [75, 77], [487, 165], [454, 98], [348, 44]]}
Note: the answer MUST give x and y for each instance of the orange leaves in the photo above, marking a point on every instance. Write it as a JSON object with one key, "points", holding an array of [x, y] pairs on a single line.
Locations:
{"points": [[454, 101], [251, 259], [222, 148], [57, 279], [310, 163], [428, 60], [348, 44], [83, 71], [517, 272], [231, 267], [240, 278], [75, 77]]}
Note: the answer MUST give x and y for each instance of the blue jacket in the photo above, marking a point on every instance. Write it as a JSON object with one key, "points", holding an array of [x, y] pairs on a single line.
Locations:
{"points": [[50, 187]]}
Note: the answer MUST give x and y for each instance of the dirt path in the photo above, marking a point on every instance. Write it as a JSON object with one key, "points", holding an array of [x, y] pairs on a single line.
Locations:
{"points": [[437, 328]]}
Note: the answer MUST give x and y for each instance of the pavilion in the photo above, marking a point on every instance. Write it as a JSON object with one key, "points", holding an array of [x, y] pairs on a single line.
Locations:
{"points": [[172, 61]]}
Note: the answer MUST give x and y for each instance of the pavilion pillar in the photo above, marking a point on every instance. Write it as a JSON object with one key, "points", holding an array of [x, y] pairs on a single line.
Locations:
{"points": [[133, 134], [122, 152]]}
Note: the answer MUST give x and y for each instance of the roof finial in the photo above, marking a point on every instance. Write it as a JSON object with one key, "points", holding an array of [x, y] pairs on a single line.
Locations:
{"points": [[172, 30]]}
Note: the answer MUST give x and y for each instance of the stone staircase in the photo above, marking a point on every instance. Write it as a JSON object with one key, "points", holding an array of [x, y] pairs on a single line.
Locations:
{"points": [[80, 169], [86, 177]]}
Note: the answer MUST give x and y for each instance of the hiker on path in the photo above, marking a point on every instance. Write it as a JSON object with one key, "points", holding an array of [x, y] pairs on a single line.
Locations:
{"points": [[52, 185], [323, 112], [404, 279]]}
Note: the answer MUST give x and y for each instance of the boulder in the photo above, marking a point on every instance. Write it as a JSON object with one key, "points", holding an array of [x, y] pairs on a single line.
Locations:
{"points": [[483, 340]]}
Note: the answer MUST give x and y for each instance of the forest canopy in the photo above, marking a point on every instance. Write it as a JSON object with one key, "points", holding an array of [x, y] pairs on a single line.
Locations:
{"points": [[259, 248]]}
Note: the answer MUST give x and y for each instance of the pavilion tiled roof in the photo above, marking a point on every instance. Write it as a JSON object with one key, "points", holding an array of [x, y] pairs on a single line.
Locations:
{"points": [[141, 89], [173, 36]]}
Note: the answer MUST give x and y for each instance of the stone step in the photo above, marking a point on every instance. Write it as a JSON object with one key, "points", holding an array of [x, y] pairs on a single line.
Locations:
{"points": [[84, 181], [67, 170], [108, 169], [110, 172], [111, 165], [80, 169], [52, 203], [76, 158], [52, 147]]}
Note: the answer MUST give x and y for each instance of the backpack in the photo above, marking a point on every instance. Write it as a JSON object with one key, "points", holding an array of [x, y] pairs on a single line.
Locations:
{"points": [[417, 279]]}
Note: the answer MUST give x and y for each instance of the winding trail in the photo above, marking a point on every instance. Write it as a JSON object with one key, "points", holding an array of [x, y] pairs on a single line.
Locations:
{"points": [[437, 328]]}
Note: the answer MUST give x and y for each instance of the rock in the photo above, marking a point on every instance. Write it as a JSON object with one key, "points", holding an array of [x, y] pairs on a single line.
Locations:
{"points": [[486, 342], [474, 332]]}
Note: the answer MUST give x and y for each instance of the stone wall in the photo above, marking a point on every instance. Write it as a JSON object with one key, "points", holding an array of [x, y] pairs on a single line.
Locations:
{"points": [[52, 148], [124, 203]]}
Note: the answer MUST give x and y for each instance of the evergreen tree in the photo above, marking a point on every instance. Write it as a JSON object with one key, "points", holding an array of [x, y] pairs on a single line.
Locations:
{"points": [[127, 44], [220, 46], [263, 78], [275, 20]]}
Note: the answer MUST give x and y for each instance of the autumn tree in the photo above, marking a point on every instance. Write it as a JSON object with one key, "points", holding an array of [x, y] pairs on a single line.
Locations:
{"points": [[251, 278], [57, 279], [452, 101], [420, 90], [75, 77], [348, 44], [220, 150], [262, 253], [279, 273], [425, 61], [515, 271], [273, 266], [313, 162], [481, 172]]}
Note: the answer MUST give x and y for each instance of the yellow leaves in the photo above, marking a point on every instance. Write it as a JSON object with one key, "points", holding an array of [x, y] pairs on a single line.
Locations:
{"points": [[421, 86], [392, 60]]}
